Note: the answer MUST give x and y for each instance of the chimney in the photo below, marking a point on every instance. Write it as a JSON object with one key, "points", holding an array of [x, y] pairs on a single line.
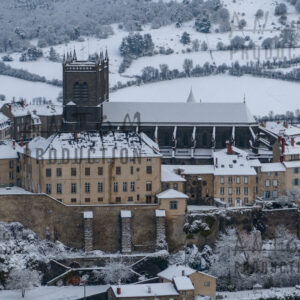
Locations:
{"points": [[278, 122], [286, 124], [228, 147], [9, 107], [281, 158], [14, 145], [149, 289], [279, 139], [22, 103], [22, 142], [118, 290], [76, 136], [182, 273], [293, 142], [282, 146]]}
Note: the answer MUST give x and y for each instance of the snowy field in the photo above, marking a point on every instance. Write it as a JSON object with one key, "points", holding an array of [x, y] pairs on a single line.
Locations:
{"points": [[262, 95], [259, 294], [14, 87]]}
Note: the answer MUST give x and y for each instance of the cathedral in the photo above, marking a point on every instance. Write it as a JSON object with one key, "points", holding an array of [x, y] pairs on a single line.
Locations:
{"points": [[185, 132]]}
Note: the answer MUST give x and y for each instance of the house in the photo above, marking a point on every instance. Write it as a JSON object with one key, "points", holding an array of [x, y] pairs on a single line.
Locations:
{"points": [[5, 127], [204, 284], [180, 288]]}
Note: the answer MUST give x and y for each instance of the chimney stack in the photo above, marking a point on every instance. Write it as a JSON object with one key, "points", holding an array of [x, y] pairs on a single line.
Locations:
{"points": [[76, 136], [282, 146], [293, 142], [14, 144], [119, 290], [228, 147], [22, 142], [9, 107]]}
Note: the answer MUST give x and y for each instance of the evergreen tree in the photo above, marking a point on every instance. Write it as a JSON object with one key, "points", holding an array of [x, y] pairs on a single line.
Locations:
{"points": [[185, 38]]}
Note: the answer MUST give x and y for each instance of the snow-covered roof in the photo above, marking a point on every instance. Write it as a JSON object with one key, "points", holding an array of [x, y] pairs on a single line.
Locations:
{"points": [[171, 194], [145, 290], [92, 145], [7, 151], [14, 190], [46, 109], [88, 215], [232, 164], [4, 121], [168, 175], [160, 213], [282, 129], [292, 164], [254, 163], [176, 271], [183, 283], [125, 214], [291, 150], [272, 167], [168, 113]]}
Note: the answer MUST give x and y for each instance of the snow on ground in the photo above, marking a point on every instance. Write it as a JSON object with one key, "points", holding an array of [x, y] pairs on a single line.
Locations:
{"points": [[262, 95], [14, 87], [258, 294], [54, 293]]}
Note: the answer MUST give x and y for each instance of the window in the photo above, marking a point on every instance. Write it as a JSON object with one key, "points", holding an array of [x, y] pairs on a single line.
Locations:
{"points": [[149, 186], [246, 179], [11, 175], [87, 171], [58, 172], [238, 202], [246, 200], [149, 159], [222, 180], [238, 190], [148, 198], [206, 283], [87, 199], [100, 199], [100, 187], [48, 188], [118, 199], [118, 170], [115, 187], [269, 173], [173, 204], [130, 199], [275, 194], [275, 182], [132, 186], [238, 179], [138, 197], [100, 171], [48, 172], [59, 188], [11, 164], [73, 188], [229, 191], [230, 179], [245, 190], [131, 170], [124, 186], [73, 200], [296, 170], [268, 182], [276, 173], [87, 187], [296, 181], [222, 192], [267, 194], [149, 169], [175, 186], [229, 201], [73, 171]]}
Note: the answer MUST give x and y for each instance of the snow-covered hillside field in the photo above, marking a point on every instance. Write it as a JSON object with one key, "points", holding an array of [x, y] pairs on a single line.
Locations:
{"points": [[262, 95], [276, 95]]}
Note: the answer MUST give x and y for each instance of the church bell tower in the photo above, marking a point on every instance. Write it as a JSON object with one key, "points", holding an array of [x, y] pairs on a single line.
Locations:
{"points": [[85, 88]]}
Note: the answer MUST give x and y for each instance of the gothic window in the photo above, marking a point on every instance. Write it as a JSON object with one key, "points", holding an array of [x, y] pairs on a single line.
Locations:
{"points": [[76, 90], [84, 91]]}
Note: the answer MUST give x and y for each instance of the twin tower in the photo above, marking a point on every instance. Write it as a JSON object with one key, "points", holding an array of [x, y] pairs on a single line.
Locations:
{"points": [[85, 88]]}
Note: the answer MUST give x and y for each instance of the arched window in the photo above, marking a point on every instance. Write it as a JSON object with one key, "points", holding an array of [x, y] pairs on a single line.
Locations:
{"points": [[76, 90]]}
